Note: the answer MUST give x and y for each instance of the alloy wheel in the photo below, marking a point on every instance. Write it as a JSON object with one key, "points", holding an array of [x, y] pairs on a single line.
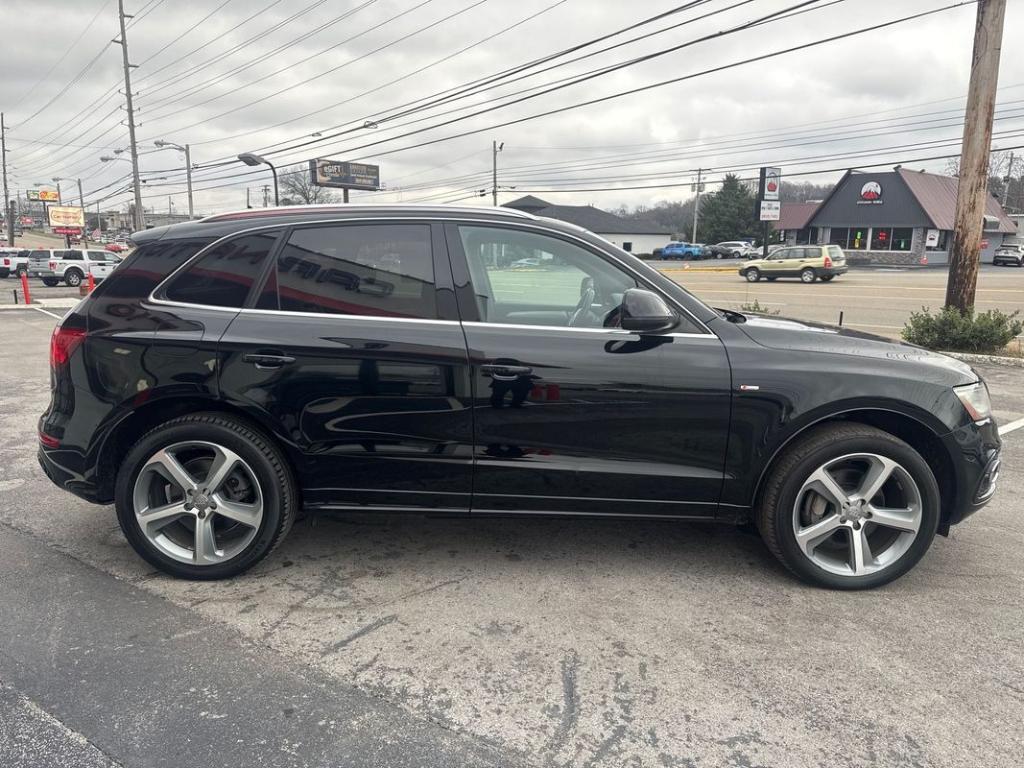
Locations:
{"points": [[198, 502], [857, 514]]}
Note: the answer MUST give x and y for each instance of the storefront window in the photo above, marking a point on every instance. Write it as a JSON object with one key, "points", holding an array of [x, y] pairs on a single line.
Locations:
{"points": [[838, 236], [891, 238]]}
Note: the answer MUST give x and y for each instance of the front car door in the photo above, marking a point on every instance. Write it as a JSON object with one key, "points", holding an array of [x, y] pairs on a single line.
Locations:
{"points": [[353, 348], [571, 413]]}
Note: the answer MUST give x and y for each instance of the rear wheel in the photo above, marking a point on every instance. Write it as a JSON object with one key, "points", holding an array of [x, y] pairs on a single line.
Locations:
{"points": [[826, 278], [50, 282], [807, 276], [73, 277], [753, 275], [205, 497], [849, 507], [771, 279]]}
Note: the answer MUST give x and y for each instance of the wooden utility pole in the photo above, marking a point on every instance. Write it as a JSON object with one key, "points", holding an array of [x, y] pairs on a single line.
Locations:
{"points": [[8, 218], [140, 215], [696, 204], [965, 255]]}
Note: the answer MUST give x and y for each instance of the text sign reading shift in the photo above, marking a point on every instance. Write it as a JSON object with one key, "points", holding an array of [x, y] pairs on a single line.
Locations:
{"points": [[336, 173]]}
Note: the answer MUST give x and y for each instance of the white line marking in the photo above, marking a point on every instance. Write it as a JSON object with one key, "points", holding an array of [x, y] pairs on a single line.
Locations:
{"points": [[45, 312], [1008, 428]]}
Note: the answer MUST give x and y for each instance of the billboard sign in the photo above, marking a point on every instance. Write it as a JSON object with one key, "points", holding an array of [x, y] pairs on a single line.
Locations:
{"points": [[64, 216], [344, 175], [48, 195], [32, 194], [771, 210], [771, 183]]}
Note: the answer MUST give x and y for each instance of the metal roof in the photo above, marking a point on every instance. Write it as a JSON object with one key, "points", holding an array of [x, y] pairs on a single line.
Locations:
{"points": [[796, 215], [937, 195]]}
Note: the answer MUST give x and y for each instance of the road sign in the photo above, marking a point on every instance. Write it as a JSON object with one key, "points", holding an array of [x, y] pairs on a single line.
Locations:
{"points": [[771, 210], [344, 175], [65, 216]]}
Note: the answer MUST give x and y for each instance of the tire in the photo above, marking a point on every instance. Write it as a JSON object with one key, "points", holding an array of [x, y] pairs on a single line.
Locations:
{"points": [[826, 278], [771, 279], [786, 500], [73, 277], [807, 276], [50, 282], [267, 498], [737, 255], [752, 275]]}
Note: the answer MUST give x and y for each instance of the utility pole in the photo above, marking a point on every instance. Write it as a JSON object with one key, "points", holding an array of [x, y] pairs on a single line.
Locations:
{"points": [[8, 218], [85, 223], [266, 194], [696, 204], [965, 255], [140, 220], [247, 203], [494, 170]]}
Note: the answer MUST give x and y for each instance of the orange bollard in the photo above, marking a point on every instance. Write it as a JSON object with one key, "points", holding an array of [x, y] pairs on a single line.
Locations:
{"points": [[24, 288], [92, 282]]}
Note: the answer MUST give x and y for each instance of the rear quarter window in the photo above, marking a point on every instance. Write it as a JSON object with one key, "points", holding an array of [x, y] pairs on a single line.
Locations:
{"points": [[224, 276], [835, 252], [148, 266]]}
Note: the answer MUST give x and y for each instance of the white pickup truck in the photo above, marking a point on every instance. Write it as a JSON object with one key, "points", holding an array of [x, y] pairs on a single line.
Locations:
{"points": [[69, 266], [13, 261]]}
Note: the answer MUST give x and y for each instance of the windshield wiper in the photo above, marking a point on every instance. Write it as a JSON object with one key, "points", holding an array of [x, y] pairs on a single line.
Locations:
{"points": [[732, 315]]}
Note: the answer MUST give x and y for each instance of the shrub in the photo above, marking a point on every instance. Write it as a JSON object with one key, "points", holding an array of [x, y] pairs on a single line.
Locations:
{"points": [[757, 308], [956, 331]]}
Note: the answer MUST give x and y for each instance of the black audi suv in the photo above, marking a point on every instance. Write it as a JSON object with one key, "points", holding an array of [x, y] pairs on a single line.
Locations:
{"points": [[238, 371]]}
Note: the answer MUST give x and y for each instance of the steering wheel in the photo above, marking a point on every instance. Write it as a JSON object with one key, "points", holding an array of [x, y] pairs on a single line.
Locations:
{"points": [[585, 304]]}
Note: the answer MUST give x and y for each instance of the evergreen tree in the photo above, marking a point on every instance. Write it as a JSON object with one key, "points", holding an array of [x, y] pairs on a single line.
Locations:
{"points": [[727, 214]]}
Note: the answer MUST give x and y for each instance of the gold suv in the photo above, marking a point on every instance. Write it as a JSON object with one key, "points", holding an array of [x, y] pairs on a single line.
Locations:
{"points": [[808, 262]]}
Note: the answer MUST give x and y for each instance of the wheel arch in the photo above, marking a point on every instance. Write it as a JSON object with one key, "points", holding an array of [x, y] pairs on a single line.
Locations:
{"points": [[125, 432], [914, 431]]}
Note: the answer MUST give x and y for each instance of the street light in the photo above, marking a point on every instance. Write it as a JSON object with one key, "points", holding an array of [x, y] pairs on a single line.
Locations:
{"points": [[252, 159], [161, 144]]}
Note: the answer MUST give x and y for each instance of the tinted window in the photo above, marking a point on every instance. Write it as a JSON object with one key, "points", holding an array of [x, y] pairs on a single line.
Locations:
{"points": [[373, 269], [224, 276], [147, 266], [531, 279], [68, 255], [99, 255]]}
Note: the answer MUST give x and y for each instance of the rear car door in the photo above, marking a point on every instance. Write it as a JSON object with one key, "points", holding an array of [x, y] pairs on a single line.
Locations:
{"points": [[573, 414], [353, 348]]}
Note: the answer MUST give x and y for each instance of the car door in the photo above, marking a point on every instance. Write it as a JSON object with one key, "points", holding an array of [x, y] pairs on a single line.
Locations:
{"points": [[572, 414], [354, 350], [780, 263]]}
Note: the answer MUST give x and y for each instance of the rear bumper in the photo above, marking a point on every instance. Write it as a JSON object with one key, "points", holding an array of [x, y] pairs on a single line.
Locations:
{"points": [[831, 271], [40, 272], [54, 467]]}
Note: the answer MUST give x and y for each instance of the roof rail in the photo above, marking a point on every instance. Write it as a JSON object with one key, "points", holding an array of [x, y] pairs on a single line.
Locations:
{"points": [[331, 208]]}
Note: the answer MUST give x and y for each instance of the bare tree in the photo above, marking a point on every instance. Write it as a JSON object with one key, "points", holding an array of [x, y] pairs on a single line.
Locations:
{"points": [[297, 188], [998, 163]]}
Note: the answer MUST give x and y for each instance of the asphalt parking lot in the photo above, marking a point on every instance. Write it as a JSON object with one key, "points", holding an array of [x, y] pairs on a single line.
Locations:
{"points": [[387, 641]]}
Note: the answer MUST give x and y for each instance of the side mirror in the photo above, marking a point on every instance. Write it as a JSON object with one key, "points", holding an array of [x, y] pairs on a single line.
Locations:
{"points": [[646, 312]]}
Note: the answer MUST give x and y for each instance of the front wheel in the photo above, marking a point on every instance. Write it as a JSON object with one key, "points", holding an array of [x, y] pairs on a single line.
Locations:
{"points": [[73, 278], [205, 497], [849, 507], [753, 275]]}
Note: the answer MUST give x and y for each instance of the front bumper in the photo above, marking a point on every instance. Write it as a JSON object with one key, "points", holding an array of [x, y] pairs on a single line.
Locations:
{"points": [[975, 449]]}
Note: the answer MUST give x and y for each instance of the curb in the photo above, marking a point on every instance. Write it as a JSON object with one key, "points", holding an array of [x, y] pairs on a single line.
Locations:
{"points": [[1008, 362]]}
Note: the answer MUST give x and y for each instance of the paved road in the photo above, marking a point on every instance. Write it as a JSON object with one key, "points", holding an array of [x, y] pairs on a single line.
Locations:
{"points": [[368, 639], [873, 300]]}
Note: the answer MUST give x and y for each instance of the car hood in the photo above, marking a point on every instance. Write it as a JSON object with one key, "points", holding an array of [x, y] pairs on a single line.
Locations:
{"points": [[800, 336]]}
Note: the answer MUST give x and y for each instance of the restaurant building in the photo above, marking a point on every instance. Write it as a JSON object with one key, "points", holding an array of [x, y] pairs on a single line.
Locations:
{"points": [[896, 217]]}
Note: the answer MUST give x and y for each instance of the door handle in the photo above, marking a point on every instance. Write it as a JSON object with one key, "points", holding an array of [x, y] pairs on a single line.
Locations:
{"points": [[503, 372], [265, 361]]}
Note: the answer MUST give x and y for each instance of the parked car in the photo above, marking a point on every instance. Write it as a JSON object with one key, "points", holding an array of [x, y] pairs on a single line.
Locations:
{"points": [[102, 270], [1009, 254], [683, 251], [114, 247], [13, 261], [67, 265], [808, 262], [733, 249], [239, 369], [530, 263]]}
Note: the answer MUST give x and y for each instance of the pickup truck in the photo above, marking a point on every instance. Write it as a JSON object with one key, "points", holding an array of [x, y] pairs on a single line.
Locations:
{"points": [[69, 266], [13, 261]]}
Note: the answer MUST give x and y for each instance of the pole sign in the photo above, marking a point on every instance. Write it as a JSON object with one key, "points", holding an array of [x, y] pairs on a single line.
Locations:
{"points": [[771, 210], [65, 216], [771, 183], [32, 194], [48, 196], [344, 175]]}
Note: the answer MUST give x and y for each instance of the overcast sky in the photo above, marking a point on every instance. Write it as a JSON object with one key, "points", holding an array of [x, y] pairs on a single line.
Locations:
{"points": [[228, 76]]}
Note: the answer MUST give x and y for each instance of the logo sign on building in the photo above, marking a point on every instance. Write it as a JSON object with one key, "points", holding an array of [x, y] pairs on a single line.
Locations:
{"points": [[931, 240], [64, 216], [336, 173], [771, 210], [870, 194]]}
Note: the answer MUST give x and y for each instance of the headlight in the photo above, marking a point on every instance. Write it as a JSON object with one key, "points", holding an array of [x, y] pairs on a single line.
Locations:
{"points": [[975, 399]]}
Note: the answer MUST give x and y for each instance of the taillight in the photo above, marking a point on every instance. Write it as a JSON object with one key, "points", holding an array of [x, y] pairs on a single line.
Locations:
{"points": [[53, 266], [7, 262], [828, 261], [63, 342]]}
